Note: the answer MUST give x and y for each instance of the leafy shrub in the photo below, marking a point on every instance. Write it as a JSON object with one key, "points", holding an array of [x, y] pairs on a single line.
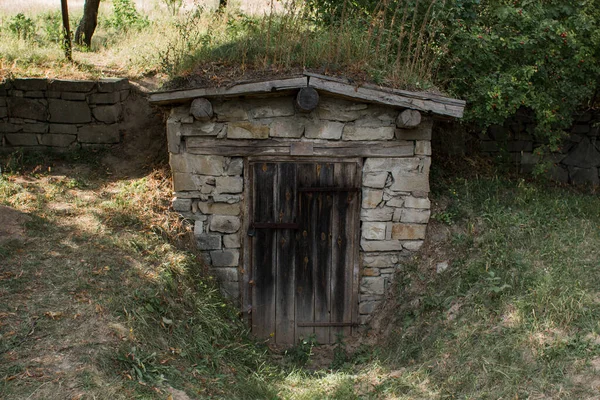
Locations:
{"points": [[52, 27], [542, 55], [21, 26], [126, 17]]}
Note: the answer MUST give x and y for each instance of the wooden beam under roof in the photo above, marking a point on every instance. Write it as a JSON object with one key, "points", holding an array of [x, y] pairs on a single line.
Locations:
{"points": [[421, 101]]}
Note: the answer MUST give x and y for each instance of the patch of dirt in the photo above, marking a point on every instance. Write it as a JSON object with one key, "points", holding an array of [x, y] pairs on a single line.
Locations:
{"points": [[144, 139], [11, 224]]}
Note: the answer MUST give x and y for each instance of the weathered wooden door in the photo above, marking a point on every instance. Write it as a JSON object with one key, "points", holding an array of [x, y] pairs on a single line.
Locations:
{"points": [[304, 237]]}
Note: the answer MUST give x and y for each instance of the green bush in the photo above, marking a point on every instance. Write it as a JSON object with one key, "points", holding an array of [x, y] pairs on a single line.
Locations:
{"points": [[543, 55], [125, 17], [21, 26]]}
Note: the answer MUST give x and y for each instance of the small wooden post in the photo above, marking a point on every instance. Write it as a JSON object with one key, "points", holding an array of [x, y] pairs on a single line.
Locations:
{"points": [[66, 30]]}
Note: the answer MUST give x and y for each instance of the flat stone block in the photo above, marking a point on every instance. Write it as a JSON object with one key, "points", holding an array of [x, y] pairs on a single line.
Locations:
{"points": [[416, 202], [415, 215], [108, 114], [372, 285], [380, 245], [57, 140], [198, 228], [411, 183], [107, 85], [373, 230], [3, 112], [234, 166], [22, 139], [226, 274], [105, 98], [230, 290], [271, 107], [375, 180], [100, 134], [182, 205], [173, 136], [352, 132], [395, 201], [27, 108], [219, 208], [333, 109], [230, 184], [30, 84], [380, 260], [423, 147], [322, 129], [247, 130], [6, 127], [232, 241], [63, 128], [581, 176], [35, 94], [225, 258], [367, 307], [35, 128], [73, 96], [71, 86], [73, 112], [377, 214], [420, 132], [412, 245], [208, 241], [408, 231], [287, 127], [198, 128], [232, 110], [197, 164], [371, 198], [225, 224]]}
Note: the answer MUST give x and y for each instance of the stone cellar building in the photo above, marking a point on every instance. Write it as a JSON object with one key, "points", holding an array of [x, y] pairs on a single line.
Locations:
{"points": [[307, 194]]}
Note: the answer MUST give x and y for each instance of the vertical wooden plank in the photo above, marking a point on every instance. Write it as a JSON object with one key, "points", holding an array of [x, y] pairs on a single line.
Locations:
{"points": [[322, 250], [245, 289], [342, 258], [354, 248], [264, 251], [304, 253], [286, 248]]}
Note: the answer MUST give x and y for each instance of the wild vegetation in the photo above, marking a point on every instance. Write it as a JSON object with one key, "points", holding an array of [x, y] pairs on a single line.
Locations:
{"points": [[102, 296], [499, 56]]}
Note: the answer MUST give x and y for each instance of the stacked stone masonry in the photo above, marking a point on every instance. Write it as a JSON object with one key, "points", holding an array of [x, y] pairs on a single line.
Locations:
{"points": [[209, 188], [577, 161], [60, 114]]}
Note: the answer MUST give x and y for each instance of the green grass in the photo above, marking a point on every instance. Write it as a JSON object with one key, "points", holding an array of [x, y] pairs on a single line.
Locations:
{"points": [[108, 299]]}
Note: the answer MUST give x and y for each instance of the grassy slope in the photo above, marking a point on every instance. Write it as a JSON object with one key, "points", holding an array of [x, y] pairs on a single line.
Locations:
{"points": [[103, 290]]}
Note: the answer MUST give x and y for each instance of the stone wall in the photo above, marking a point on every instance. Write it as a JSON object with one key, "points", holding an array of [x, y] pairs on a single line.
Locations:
{"points": [[209, 188], [578, 160], [41, 113]]}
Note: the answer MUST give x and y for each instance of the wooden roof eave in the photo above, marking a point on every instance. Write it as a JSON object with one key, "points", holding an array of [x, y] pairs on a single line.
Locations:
{"points": [[424, 102]]}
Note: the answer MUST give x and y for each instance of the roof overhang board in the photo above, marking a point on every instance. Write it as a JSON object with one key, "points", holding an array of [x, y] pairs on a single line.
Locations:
{"points": [[420, 101]]}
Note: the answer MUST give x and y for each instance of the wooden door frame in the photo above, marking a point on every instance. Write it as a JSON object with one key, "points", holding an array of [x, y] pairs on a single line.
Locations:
{"points": [[247, 212]]}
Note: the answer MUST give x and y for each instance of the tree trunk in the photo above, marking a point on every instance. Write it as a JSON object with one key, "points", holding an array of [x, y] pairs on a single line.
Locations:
{"points": [[87, 25]]}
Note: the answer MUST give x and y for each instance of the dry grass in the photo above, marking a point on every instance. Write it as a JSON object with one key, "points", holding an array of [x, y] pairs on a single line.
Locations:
{"points": [[391, 46]]}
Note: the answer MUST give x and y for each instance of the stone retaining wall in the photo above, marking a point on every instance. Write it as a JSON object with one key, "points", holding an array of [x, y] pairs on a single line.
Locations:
{"points": [[578, 160], [209, 188], [60, 114]]}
